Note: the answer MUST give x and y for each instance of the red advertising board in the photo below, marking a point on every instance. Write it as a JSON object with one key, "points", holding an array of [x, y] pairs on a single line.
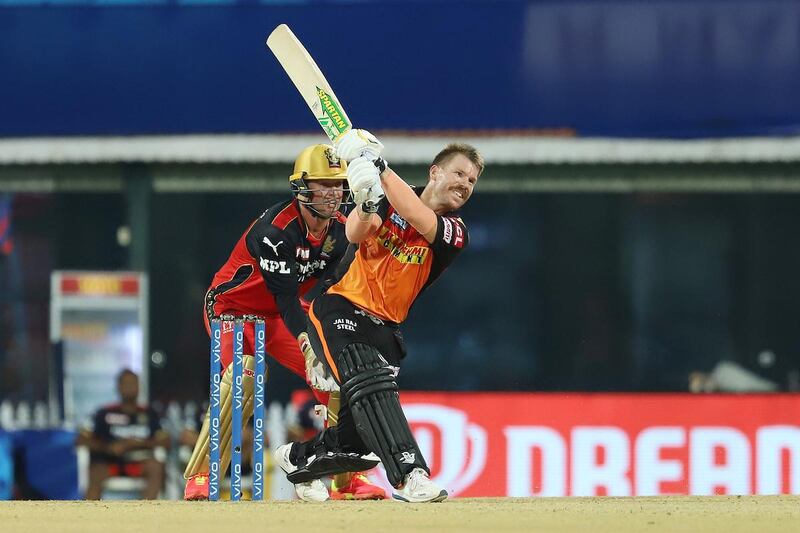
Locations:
{"points": [[496, 444]]}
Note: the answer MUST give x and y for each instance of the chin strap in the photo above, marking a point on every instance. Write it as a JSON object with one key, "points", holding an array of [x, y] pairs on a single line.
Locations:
{"points": [[315, 213]]}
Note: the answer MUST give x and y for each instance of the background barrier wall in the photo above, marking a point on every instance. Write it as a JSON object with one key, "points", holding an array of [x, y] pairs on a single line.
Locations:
{"points": [[608, 444], [506, 444]]}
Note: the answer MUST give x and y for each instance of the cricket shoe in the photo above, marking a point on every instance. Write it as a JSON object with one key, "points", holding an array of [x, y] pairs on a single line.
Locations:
{"points": [[196, 487], [359, 488], [419, 488], [308, 491]]}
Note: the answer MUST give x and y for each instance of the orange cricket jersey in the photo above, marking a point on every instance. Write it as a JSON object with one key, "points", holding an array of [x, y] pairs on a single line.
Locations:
{"points": [[391, 268]]}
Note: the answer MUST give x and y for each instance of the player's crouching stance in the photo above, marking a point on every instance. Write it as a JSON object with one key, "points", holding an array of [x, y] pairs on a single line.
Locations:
{"points": [[273, 265], [405, 241]]}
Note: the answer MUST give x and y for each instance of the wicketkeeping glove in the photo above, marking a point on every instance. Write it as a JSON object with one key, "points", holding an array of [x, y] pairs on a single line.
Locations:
{"points": [[317, 373]]}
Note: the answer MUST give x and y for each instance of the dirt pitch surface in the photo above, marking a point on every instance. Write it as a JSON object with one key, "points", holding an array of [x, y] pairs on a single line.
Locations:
{"points": [[727, 514]]}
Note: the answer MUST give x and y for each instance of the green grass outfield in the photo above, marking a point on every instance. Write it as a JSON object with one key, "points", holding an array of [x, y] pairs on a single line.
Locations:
{"points": [[724, 514]]}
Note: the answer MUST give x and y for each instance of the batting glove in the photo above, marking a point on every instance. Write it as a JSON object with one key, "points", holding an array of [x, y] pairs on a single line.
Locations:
{"points": [[362, 174], [356, 143], [369, 198]]}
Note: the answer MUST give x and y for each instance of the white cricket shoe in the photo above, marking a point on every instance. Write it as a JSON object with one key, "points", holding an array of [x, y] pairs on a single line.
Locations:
{"points": [[310, 491], [419, 488]]}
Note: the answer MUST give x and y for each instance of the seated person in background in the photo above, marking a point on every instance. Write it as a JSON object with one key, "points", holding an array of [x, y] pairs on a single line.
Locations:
{"points": [[123, 441]]}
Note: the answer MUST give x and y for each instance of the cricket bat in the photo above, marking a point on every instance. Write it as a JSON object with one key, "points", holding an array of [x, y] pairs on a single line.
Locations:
{"points": [[309, 80]]}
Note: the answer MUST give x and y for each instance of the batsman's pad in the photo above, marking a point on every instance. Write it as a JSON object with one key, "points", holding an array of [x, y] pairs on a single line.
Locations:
{"points": [[371, 391], [199, 461], [334, 401], [324, 463], [330, 463]]}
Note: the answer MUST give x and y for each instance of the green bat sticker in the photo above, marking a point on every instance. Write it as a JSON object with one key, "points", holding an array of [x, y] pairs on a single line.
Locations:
{"points": [[333, 119]]}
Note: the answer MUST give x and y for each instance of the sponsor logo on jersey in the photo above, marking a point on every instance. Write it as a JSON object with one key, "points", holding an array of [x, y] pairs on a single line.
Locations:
{"points": [[453, 232], [345, 324], [448, 230], [303, 253], [130, 430], [400, 221], [270, 265], [307, 270], [459, 241], [399, 249], [273, 246], [113, 419]]}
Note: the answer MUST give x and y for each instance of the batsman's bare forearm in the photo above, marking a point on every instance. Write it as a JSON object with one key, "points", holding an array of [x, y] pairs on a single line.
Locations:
{"points": [[360, 225], [406, 202]]}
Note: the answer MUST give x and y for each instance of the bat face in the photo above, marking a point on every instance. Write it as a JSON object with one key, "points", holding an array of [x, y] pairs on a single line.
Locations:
{"points": [[309, 80]]}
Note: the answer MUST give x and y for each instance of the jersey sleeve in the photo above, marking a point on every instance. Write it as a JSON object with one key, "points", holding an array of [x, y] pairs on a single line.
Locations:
{"points": [[451, 237], [383, 208], [274, 251]]}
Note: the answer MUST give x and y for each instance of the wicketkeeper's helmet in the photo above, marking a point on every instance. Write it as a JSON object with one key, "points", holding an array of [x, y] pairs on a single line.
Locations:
{"points": [[317, 162]]}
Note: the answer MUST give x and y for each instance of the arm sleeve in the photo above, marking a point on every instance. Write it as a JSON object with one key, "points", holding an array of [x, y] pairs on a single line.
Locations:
{"points": [[451, 237], [274, 251]]}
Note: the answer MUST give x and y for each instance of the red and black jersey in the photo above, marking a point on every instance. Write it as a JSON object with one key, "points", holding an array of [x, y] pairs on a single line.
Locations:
{"points": [[275, 262], [113, 422], [391, 268]]}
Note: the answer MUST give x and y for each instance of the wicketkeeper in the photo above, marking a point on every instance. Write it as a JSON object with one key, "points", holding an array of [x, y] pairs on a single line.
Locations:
{"points": [[283, 253]]}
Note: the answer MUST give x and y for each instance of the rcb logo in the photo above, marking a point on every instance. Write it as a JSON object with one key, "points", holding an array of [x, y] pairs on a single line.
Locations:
{"points": [[333, 158], [327, 246]]}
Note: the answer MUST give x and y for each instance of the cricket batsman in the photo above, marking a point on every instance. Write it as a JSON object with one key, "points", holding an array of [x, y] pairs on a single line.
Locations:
{"points": [[406, 238]]}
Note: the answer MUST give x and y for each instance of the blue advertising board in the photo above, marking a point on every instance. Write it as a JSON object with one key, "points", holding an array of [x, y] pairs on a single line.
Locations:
{"points": [[6, 466], [598, 68]]}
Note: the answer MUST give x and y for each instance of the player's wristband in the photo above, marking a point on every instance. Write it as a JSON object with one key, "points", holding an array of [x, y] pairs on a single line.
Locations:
{"points": [[381, 164]]}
